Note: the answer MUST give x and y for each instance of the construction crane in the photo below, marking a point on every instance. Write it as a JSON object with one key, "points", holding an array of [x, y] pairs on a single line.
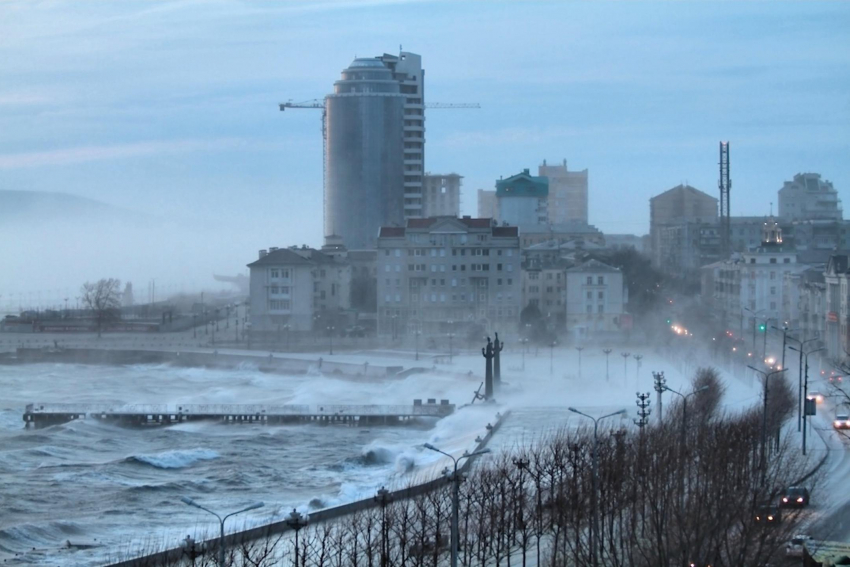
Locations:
{"points": [[319, 104]]}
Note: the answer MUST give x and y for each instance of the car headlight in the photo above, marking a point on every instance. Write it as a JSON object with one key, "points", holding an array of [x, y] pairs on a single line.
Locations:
{"points": [[770, 518], [799, 499], [785, 499]]}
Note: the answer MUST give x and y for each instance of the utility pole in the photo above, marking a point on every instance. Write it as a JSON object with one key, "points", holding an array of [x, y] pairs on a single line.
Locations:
{"points": [[607, 351], [625, 356], [763, 457]]}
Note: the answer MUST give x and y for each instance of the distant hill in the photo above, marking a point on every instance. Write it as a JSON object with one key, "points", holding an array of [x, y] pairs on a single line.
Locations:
{"points": [[34, 207]]}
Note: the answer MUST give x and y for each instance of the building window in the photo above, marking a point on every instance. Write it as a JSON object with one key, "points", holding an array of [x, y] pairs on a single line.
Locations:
{"points": [[773, 260], [773, 305], [590, 309], [275, 273], [589, 280], [590, 295], [600, 280], [601, 295], [786, 260], [600, 309]]}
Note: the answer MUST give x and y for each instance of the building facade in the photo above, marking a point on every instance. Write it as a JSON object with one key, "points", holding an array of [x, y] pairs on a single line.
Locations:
{"points": [[300, 289], [808, 197], [596, 299], [567, 193], [446, 274], [523, 199], [364, 152], [407, 70], [837, 306], [488, 205], [441, 195], [676, 206]]}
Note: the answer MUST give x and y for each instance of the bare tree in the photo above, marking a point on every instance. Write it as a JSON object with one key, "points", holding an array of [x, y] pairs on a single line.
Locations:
{"points": [[103, 299]]}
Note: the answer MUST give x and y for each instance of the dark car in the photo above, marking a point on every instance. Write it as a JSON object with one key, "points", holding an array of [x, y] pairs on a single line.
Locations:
{"points": [[795, 497], [768, 515]]}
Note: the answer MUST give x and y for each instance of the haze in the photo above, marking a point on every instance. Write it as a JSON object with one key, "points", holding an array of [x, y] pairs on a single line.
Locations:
{"points": [[168, 111]]}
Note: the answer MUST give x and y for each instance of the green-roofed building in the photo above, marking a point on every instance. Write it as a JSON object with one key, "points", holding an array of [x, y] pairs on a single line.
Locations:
{"points": [[523, 199]]}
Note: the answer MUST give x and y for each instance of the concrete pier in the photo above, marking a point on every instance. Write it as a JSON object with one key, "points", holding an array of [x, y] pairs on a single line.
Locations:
{"points": [[39, 415]]}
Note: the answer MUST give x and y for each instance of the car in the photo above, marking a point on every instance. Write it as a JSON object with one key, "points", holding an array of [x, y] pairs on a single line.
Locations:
{"points": [[768, 515], [795, 497], [842, 421], [836, 378], [816, 396], [794, 548]]}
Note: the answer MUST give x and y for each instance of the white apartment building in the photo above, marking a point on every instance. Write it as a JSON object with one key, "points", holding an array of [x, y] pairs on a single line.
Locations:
{"points": [[301, 288], [808, 197], [445, 274], [596, 298]]}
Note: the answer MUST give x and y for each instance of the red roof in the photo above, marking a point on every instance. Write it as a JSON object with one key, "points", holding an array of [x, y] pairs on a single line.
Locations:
{"points": [[420, 223], [476, 223]]}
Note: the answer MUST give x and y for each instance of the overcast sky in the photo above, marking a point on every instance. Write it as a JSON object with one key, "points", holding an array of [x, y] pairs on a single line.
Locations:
{"points": [[171, 107]]}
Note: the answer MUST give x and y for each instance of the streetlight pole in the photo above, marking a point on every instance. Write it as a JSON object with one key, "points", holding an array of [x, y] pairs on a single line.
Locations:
{"points": [[524, 342], [331, 338], [625, 356], [451, 341], [221, 519], [607, 351], [296, 521], [800, 398], [579, 349], [806, 386], [456, 495], [383, 498], [684, 435], [764, 419], [638, 357], [594, 512], [552, 358], [416, 334]]}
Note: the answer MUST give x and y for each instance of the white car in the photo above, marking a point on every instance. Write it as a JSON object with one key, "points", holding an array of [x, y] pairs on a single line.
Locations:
{"points": [[794, 548], [842, 421]]}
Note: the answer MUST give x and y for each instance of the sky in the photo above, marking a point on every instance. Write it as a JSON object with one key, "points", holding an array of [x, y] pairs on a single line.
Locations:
{"points": [[169, 108]]}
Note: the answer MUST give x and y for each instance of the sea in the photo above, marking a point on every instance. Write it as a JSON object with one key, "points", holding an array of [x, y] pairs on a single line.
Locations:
{"points": [[110, 491]]}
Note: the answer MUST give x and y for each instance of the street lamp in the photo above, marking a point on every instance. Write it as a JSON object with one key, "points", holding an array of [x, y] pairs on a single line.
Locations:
{"points": [[607, 351], [383, 498], [684, 434], [767, 376], [296, 521], [625, 356], [552, 357], [416, 334], [451, 336], [756, 317], [524, 342], [331, 329], [594, 512], [800, 398], [579, 349], [221, 519], [456, 495], [638, 357], [806, 387]]}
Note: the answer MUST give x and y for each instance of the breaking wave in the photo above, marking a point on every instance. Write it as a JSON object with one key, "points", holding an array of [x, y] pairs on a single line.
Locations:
{"points": [[174, 459]]}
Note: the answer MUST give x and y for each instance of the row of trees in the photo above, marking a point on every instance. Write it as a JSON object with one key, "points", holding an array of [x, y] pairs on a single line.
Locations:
{"points": [[666, 495]]}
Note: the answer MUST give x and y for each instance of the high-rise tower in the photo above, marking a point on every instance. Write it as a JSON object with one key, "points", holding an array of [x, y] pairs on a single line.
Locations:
{"points": [[365, 168], [407, 70]]}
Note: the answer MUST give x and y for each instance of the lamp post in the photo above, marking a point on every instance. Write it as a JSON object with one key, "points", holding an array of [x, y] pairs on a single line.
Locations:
{"points": [[625, 356], [456, 495], [579, 349], [288, 329], [296, 521], [755, 315], [800, 398], [594, 512], [607, 351], [552, 357], [416, 334], [523, 465], [524, 342], [638, 357], [763, 455], [806, 386], [331, 330], [221, 519], [383, 498], [684, 435], [194, 326]]}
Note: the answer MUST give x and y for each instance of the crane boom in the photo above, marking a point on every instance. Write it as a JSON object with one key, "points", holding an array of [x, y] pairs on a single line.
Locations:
{"points": [[320, 104]]}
